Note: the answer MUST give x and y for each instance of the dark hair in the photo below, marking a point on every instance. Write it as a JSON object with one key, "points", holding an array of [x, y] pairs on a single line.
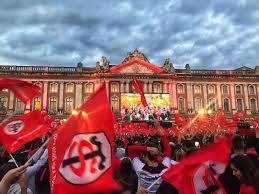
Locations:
{"points": [[257, 148], [249, 173], [237, 142], [125, 169]]}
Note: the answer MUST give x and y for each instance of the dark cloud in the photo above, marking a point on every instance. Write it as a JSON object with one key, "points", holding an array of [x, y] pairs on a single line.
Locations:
{"points": [[209, 34]]}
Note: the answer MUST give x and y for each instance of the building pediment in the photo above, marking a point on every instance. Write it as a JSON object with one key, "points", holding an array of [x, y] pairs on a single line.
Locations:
{"points": [[136, 66]]}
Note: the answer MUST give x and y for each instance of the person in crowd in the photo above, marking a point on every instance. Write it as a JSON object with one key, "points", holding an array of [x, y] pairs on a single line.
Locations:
{"points": [[147, 168], [245, 171], [13, 180]]}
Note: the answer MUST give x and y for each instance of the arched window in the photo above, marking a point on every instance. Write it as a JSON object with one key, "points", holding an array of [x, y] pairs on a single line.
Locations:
{"points": [[180, 89], [239, 105], [253, 105], [238, 89], [197, 103], [69, 87], [115, 103], [157, 88], [251, 90], [53, 104], [89, 88], [212, 104], [211, 89], [181, 105], [225, 89], [226, 105], [115, 87], [19, 107], [53, 88], [3, 102], [37, 103], [197, 89], [69, 104]]}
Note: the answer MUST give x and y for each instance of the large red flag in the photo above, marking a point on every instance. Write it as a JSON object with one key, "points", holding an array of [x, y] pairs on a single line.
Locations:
{"points": [[179, 120], [22, 129], [22, 90], [138, 88], [81, 152], [193, 174]]}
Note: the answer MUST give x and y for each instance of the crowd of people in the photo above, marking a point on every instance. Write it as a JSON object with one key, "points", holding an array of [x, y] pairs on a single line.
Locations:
{"points": [[143, 159]]}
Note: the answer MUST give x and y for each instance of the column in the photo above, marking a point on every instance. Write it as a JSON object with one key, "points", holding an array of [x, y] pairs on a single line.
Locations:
{"points": [[189, 96], [219, 96], [11, 101], [172, 94], [45, 95], [145, 87], [257, 100], [205, 96], [233, 100], [150, 87], [78, 95], [107, 88], [246, 98], [61, 95], [165, 88], [122, 87], [127, 87]]}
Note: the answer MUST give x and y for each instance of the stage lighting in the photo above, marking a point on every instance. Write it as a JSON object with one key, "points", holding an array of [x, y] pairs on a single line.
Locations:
{"points": [[74, 112], [84, 113], [201, 111], [209, 111]]}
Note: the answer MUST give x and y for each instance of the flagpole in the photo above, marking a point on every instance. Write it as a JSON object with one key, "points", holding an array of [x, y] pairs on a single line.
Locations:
{"points": [[154, 183], [14, 160], [37, 152]]}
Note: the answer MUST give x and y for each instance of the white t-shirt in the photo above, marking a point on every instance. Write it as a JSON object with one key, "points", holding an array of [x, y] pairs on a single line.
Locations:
{"points": [[146, 178]]}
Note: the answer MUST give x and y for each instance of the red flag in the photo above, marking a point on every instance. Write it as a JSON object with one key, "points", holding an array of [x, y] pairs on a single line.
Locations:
{"points": [[22, 129], [192, 175], [138, 88], [22, 90], [80, 154], [179, 120]]}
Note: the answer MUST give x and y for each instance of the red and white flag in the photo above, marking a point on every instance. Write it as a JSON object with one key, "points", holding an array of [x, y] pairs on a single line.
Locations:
{"points": [[193, 174], [81, 152], [22, 90], [138, 88], [22, 129]]}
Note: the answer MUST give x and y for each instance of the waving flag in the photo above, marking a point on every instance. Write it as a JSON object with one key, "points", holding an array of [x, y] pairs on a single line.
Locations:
{"points": [[22, 90], [81, 152], [22, 129], [193, 174], [138, 88]]}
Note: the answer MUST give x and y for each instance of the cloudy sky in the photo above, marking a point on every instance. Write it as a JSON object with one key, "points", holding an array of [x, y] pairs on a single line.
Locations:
{"points": [[207, 34]]}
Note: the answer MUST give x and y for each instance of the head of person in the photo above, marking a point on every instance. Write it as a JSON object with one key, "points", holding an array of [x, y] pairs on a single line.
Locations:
{"points": [[237, 144], [152, 156], [187, 145], [244, 169], [125, 169]]}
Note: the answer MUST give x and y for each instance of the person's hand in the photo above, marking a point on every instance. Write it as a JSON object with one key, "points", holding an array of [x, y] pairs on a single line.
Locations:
{"points": [[12, 174], [23, 182], [159, 128], [142, 191]]}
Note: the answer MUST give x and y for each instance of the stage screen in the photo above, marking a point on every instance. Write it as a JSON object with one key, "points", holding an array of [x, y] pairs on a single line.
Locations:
{"points": [[156, 102]]}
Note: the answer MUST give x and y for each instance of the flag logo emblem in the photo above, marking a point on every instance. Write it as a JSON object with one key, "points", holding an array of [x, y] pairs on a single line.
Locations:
{"points": [[86, 158], [14, 127]]}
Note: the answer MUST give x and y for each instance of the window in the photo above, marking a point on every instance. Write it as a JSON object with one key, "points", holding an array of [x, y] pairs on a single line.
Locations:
{"points": [[212, 104], [69, 87], [197, 89], [251, 90], [211, 89], [225, 89], [253, 105], [115, 103], [115, 87], [53, 104], [36, 103], [197, 103], [239, 105], [226, 105], [181, 105], [238, 89], [3, 102], [157, 87], [19, 106], [180, 89], [69, 105], [53, 87], [89, 88]]}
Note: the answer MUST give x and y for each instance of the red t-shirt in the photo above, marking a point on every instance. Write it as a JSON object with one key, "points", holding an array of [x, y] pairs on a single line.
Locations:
{"points": [[247, 189]]}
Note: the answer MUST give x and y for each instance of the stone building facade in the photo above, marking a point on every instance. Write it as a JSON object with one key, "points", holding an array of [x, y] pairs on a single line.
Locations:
{"points": [[65, 88]]}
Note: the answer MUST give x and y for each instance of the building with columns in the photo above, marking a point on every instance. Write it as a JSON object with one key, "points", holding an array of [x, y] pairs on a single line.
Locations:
{"points": [[65, 88]]}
